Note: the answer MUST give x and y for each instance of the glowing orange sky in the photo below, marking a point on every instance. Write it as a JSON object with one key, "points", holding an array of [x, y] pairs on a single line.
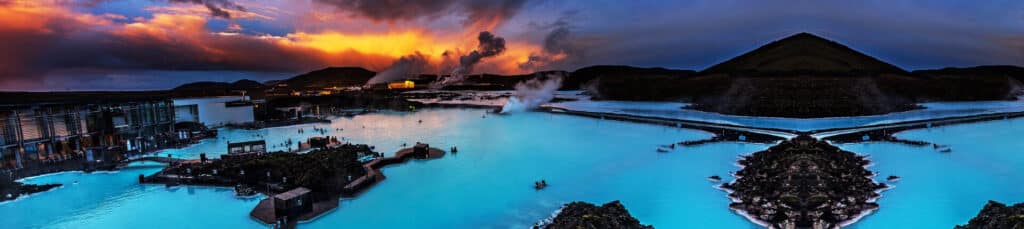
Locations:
{"points": [[49, 43], [187, 27]]}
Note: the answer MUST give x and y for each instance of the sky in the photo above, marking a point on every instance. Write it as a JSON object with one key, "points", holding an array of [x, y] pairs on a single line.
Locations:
{"points": [[62, 45]]}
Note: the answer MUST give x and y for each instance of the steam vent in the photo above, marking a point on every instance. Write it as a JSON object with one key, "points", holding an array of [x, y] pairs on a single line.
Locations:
{"points": [[804, 183]]}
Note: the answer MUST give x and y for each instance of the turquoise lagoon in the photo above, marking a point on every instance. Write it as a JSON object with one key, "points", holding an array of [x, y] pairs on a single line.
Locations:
{"points": [[940, 190], [488, 184], [116, 200]]}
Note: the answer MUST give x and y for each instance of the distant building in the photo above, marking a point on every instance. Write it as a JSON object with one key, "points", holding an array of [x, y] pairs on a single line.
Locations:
{"points": [[215, 111], [241, 151], [257, 147]]}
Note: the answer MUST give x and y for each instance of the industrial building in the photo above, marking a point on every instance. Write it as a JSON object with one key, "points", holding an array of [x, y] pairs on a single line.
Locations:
{"points": [[41, 133]]}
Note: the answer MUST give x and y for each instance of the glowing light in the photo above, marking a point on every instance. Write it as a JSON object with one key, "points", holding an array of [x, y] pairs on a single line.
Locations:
{"points": [[408, 84]]}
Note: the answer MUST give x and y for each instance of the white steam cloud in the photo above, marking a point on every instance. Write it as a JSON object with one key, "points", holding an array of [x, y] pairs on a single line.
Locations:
{"points": [[532, 93], [403, 68]]}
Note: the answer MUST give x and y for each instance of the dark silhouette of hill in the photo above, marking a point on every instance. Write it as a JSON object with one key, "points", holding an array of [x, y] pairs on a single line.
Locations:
{"points": [[205, 88], [960, 84], [619, 82], [803, 53], [331, 77], [805, 76]]}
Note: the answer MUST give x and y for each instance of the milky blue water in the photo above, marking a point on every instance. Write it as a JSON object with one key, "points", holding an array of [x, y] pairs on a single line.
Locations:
{"points": [[116, 200], [488, 184], [940, 190]]}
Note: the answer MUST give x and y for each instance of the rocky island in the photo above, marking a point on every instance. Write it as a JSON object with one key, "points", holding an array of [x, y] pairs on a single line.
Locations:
{"points": [[587, 215], [997, 215], [804, 183]]}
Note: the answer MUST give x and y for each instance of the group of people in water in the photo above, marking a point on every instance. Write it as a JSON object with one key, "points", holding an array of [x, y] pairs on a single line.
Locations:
{"points": [[322, 131], [538, 185]]}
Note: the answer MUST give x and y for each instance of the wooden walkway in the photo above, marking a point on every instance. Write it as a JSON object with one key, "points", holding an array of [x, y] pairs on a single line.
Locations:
{"points": [[373, 174], [168, 160]]}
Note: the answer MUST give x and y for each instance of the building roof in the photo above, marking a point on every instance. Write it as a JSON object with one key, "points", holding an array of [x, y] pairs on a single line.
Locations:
{"points": [[291, 194]]}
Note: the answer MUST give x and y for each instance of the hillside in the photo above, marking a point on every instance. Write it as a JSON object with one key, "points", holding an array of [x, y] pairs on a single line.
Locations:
{"points": [[633, 83], [803, 53], [198, 89], [331, 77], [806, 76]]}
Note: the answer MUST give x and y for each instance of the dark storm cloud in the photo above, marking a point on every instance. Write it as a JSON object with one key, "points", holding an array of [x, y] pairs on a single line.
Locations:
{"points": [[216, 7], [560, 48], [396, 10], [484, 12], [31, 54], [479, 12]]}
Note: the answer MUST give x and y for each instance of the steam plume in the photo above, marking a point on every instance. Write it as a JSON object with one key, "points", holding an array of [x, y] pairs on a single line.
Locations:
{"points": [[532, 93], [490, 45], [403, 68]]}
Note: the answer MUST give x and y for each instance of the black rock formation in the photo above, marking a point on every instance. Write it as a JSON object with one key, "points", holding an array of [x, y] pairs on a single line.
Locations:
{"points": [[997, 215], [10, 190], [585, 215], [804, 183]]}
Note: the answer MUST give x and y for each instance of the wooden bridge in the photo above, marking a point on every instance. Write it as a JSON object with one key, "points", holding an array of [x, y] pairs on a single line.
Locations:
{"points": [[169, 160]]}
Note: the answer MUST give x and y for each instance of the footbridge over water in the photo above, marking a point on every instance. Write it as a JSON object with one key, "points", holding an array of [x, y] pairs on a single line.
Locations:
{"points": [[886, 129], [169, 160], [891, 128]]}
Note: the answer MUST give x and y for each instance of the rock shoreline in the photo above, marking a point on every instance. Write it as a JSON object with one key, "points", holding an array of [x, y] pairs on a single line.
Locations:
{"points": [[12, 190], [804, 183], [997, 215]]}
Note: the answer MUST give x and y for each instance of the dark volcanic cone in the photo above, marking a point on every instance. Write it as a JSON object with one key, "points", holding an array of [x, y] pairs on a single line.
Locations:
{"points": [[804, 183]]}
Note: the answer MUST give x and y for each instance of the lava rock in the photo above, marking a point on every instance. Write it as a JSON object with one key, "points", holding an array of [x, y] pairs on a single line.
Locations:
{"points": [[585, 215], [997, 215], [804, 183], [13, 190]]}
